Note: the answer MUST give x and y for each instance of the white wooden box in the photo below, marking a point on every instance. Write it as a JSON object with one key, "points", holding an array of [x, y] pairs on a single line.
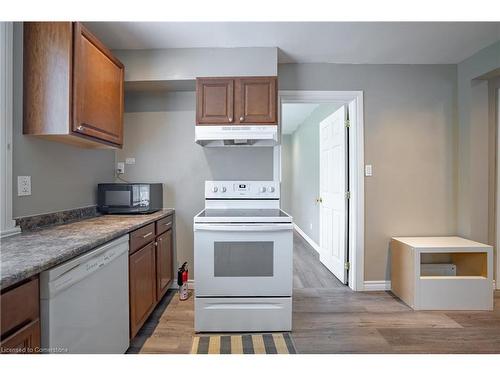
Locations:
{"points": [[470, 289]]}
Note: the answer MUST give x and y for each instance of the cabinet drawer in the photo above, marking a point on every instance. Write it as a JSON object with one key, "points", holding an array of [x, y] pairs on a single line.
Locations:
{"points": [[19, 306], [141, 237], [164, 224], [24, 341]]}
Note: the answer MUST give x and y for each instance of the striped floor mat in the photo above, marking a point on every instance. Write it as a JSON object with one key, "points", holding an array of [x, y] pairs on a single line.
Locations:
{"points": [[269, 343]]}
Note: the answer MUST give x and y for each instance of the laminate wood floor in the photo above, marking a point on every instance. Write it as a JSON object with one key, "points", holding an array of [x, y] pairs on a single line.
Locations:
{"points": [[328, 317]]}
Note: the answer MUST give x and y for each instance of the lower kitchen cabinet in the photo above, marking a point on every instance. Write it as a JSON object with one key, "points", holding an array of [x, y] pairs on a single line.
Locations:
{"points": [[142, 281], [24, 341], [150, 269], [164, 266], [20, 318]]}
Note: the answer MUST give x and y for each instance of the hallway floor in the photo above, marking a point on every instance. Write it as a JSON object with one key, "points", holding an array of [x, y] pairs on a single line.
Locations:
{"points": [[328, 317]]}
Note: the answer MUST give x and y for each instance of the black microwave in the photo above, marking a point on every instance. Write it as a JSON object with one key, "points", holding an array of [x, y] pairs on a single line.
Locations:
{"points": [[129, 198]]}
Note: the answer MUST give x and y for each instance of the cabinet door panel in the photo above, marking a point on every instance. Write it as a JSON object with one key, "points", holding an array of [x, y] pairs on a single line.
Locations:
{"points": [[98, 89], [164, 272], [24, 341], [19, 306], [256, 100], [214, 101], [142, 279], [47, 82]]}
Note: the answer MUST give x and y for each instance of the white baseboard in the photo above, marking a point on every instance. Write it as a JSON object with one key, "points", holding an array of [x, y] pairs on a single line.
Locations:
{"points": [[10, 232], [377, 285], [308, 239]]}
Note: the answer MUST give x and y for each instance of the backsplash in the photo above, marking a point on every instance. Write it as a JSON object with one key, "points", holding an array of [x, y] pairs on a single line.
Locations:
{"points": [[30, 223]]}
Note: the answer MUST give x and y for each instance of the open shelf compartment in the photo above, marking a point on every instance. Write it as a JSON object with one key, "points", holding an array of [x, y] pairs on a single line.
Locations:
{"points": [[451, 265]]}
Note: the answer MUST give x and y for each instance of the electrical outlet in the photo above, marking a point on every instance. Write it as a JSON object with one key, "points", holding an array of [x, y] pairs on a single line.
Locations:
{"points": [[130, 161], [120, 167], [23, 185], [368, 170]]}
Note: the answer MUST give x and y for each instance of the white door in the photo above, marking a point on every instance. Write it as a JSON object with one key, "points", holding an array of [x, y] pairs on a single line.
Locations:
{"points": [[333, 188]]}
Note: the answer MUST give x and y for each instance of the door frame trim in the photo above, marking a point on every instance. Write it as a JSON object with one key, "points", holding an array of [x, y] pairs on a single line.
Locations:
{"points": [[497, 244], [354, 100], [7, 223]]}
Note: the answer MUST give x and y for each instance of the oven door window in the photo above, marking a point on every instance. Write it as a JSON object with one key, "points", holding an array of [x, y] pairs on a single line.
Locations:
{"points": [[244, 259]]}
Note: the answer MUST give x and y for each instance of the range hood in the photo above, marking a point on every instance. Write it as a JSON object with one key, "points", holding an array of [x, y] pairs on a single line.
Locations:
{"points": [[239, 135]]}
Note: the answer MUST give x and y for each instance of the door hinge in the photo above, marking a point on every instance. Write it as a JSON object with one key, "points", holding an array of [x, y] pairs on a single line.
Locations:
{"points": [[348, 195], [347, 123], [347, 265]]}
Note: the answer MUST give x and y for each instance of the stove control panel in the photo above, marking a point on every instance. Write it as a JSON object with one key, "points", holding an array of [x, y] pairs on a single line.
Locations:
{"points": [[242, 189]]}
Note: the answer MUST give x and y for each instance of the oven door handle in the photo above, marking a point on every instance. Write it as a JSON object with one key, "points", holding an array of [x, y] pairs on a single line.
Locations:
{"points": [[244, 227]]}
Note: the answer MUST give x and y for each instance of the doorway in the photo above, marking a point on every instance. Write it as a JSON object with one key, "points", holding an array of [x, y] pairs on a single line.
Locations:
{"points": [[326, 199]]}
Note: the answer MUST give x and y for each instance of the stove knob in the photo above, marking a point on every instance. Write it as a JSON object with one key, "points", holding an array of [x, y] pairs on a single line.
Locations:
{"points": [[215, 189], [223, 189], [263, 189], [271, 189]]}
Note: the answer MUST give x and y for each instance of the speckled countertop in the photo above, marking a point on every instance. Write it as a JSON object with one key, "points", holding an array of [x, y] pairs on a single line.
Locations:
{"points": [[29, 253]]}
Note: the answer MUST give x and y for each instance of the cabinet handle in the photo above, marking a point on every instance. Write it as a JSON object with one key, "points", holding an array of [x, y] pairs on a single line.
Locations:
{"points": [[230, 119], [147, 235], [168, 223], [80, 128], [156, 243], [242, 118]]}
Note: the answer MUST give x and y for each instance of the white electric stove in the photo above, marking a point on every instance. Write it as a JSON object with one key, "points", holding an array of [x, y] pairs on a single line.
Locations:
{"points": [[243, 254]]}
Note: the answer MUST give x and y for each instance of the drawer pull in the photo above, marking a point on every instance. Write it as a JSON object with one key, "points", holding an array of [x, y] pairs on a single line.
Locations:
{"points": [[169, 223], [147, 235]]}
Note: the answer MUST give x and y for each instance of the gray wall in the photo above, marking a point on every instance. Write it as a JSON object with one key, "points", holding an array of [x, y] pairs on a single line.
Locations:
{"points": [[159, 133], [410, 138], [303, 188], [476, 178], [189, 63], [62, 176]]}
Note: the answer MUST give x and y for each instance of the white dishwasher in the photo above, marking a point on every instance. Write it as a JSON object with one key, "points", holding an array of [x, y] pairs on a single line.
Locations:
{"points": [[84, 302]]}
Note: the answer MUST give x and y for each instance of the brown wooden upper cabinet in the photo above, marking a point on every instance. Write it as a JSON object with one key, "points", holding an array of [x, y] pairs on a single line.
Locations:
{"points": [[73, 86], [236, 100]]}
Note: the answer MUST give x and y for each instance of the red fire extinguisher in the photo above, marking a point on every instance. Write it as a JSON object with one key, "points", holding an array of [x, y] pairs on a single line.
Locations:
{"points": [[182, 281]]}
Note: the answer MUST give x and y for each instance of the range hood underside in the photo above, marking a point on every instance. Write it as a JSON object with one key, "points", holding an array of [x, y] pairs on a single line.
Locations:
{"points": [[237, 136]]}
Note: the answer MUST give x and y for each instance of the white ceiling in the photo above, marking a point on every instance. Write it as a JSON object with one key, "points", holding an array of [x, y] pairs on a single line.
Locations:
{"points": [[333, 42], [294, 114]]}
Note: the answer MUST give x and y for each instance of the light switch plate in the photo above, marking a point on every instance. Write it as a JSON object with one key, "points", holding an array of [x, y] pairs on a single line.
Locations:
{"points": [[368, 170], [23, 186]]}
